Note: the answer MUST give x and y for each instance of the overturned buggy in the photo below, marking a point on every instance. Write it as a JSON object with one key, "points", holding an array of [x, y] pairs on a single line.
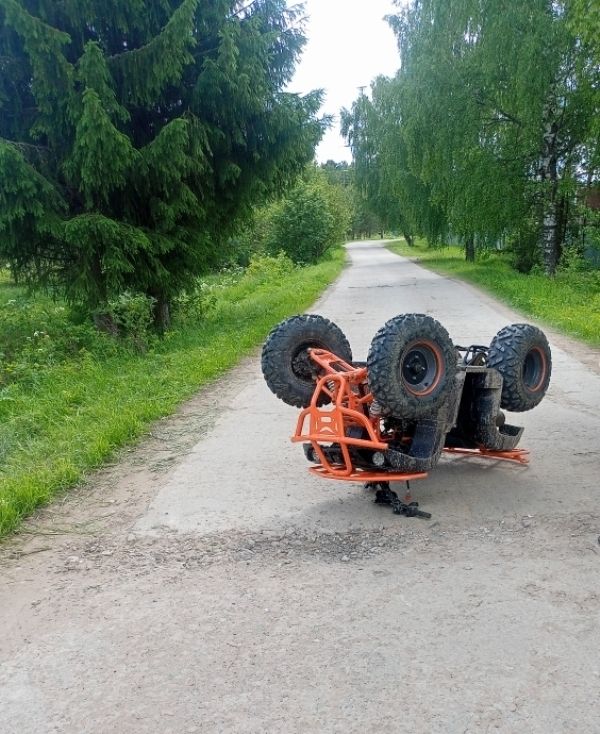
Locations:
{"points": [[417, 395]]}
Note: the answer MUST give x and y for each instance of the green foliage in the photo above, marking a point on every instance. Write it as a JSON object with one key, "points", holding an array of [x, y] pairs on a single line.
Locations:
{"points": [[313, 217], [36, 334], [523, 244], [490, 121], [131, 315], [585, 20], [362, 220], [194, 304], [102, 157], [234, 283], [142, 72], [136, 136], [77, 412], [268, 269], [114, 249], [339, 205], [590, 227], [388, 196], [251, 239], [340, 174]]}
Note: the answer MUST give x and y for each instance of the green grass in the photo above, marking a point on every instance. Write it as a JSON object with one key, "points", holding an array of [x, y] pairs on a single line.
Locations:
{"points": [[7, 289], [569, 302], [70, 418]]}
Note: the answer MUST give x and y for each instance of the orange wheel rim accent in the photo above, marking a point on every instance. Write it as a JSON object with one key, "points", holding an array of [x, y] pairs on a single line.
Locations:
{"points": [[543, 369]]}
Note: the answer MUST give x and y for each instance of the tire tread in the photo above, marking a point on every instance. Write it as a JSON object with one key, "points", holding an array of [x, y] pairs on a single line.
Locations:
{"points": [[507, 354], [276, 359], [383, 358]]}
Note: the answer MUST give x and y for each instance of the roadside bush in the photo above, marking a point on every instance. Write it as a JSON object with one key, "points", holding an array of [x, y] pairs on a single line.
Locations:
{"points": [[264, 268], [263, 271], [130, 317], [36, 333], [312, 217], [340, 206], [572, 259], [303, 227], [524, 247], [251, 240], [193, 305]]}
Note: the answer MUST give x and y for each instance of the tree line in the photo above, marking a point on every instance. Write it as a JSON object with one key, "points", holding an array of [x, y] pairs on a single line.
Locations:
{"points": [[490, 130]]}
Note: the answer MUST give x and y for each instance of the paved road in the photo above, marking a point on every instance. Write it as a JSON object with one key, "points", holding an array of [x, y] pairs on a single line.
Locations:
{"points": [[207, 583]]}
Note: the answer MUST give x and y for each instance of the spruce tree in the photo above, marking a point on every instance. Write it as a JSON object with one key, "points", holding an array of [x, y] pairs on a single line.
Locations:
{"points": [[135, 134]]}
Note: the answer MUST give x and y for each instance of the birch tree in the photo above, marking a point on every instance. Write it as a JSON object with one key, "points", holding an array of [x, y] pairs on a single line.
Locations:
{"points": [[494, 114]]}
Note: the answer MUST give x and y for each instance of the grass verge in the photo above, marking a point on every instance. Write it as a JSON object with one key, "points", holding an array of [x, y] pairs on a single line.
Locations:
{"points": [[72, 416], [569, 302]]}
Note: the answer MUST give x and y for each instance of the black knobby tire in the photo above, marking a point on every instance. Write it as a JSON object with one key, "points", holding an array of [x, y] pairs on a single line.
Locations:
{"points": [[412, 364], [286, 365], [521, 354]]}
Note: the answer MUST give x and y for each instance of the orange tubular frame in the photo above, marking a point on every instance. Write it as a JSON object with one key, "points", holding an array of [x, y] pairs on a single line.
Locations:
{"points": [[346, 386], [517, 456]]}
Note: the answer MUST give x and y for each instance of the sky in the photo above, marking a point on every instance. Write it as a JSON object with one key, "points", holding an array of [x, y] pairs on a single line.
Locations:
{"points": [[349, 44]]}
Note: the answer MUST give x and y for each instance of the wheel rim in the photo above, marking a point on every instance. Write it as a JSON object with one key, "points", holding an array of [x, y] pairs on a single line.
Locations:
{"points": [[421, 368], [534, 369]]}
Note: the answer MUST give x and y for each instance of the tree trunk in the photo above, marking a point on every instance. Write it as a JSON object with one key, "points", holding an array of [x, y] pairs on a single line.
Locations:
{"points": [[162, 314], [105, 322], [551, 234], [470, 249], [99, 296], [550, 230], [563, 223], [409, 239]]}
